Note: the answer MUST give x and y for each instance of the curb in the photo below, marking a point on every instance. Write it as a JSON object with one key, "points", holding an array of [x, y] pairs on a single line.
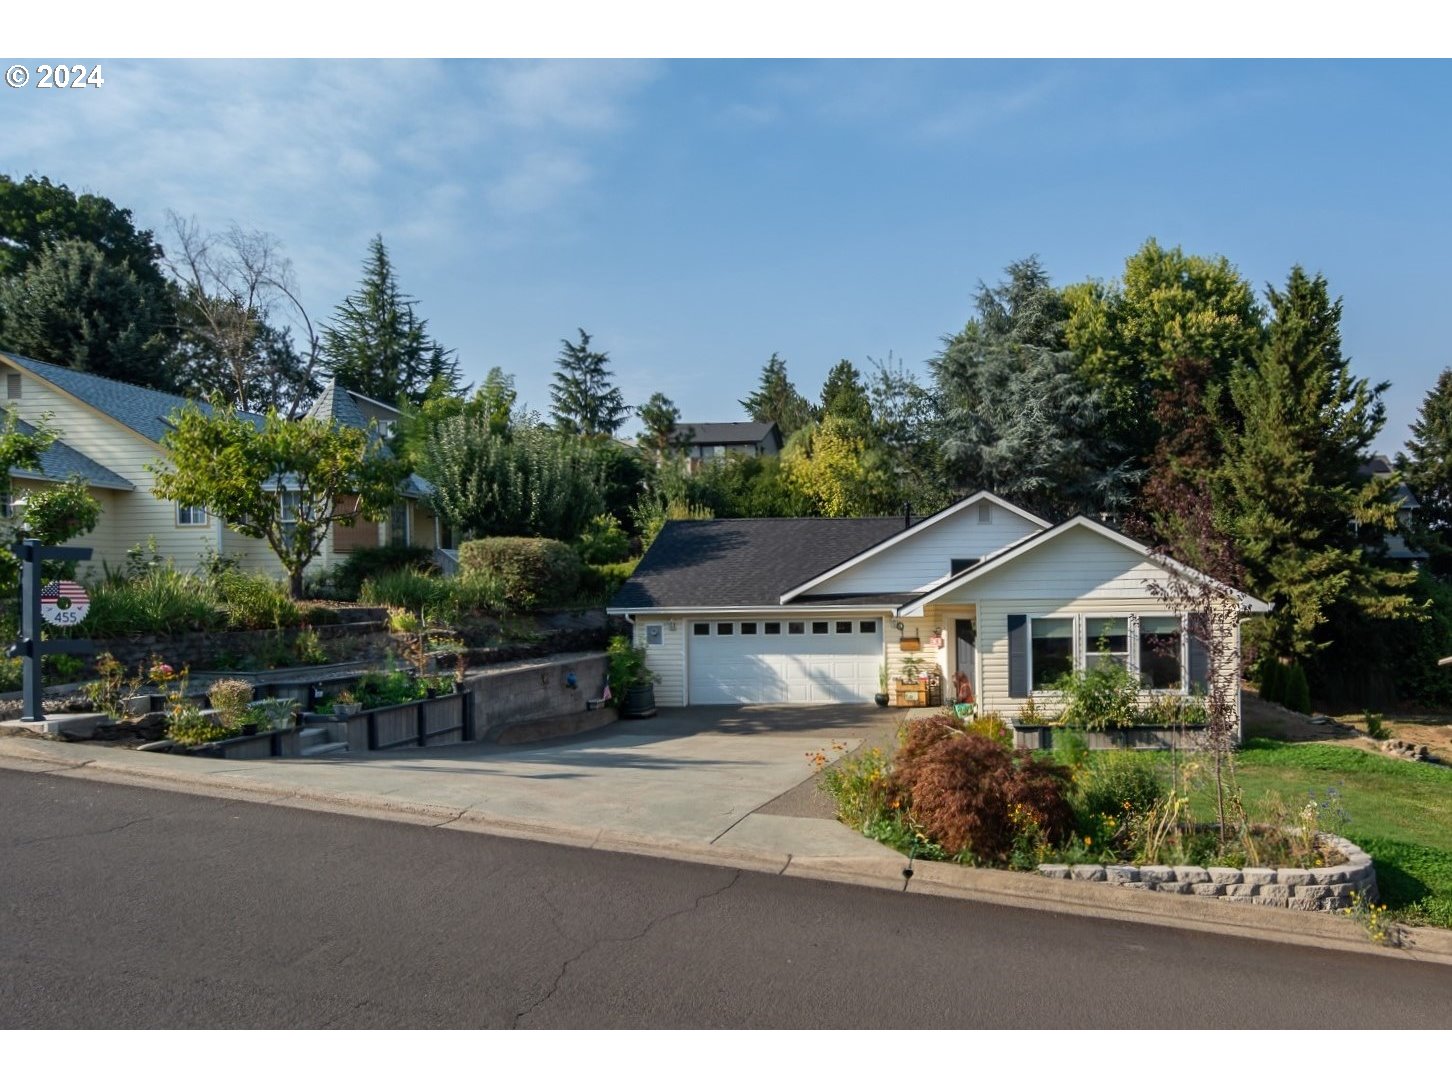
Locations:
{"points": [[999, 887]]}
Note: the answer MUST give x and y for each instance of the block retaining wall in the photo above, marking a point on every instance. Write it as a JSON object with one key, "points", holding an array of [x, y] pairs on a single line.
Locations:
{"points": [[1327, 888]]}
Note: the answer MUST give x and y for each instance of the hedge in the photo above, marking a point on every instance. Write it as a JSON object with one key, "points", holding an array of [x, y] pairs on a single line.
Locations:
{"points": [[527, 572]]}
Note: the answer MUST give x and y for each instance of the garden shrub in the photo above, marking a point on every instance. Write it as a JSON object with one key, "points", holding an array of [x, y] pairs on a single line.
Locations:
{"points": [[1103, 698], [1272, 680], [1117, 785], [1298, 693], [230, 698], [859, 785], [628, 669], [972, 796], [599, 582], [603, 541], [346, 578], [529, 572], [254, 602], [158, 600], [405, 589]]}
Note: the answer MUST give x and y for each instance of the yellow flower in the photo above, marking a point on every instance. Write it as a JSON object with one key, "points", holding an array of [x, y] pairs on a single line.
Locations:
{"points": [[1088, 841]]}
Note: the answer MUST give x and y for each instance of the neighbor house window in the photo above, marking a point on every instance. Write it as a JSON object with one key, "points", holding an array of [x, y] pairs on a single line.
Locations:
{"points": [[190, 516], [12, 386], [1106, 641], [1051, 649], [1160, 652]]}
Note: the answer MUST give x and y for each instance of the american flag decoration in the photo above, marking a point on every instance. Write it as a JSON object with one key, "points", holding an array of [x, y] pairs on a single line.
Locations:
{"points": [[64, 603]]}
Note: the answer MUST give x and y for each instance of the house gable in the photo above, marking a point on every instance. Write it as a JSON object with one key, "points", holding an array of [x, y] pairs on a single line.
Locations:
{"points": [[1077, 560], [926, 552]]}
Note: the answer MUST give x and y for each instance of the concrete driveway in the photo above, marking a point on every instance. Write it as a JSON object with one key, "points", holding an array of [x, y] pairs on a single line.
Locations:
{"points": [[697, 774]]}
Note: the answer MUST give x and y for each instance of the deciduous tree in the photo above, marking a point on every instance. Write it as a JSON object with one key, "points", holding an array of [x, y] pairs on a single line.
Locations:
{"points": [[286, 482]]}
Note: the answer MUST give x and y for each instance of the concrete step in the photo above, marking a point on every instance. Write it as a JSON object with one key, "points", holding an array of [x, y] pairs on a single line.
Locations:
{"points": [[313, 735], [327, 748]]}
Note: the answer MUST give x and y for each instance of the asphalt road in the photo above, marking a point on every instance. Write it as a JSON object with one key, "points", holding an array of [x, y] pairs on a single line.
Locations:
{"points": [[127, 908]]}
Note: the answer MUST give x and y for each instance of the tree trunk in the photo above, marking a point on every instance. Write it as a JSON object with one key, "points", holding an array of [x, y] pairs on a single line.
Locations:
{"points": [[296, 584]]}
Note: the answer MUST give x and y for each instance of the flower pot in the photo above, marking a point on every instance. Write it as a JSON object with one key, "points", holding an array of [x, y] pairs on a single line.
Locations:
{"points": [[639, 701], [347, 710], [910, 642], [880, 699]]}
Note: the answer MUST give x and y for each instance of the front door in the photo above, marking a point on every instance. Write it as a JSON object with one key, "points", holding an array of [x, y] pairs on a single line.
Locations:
{"points": [[965, 634]]}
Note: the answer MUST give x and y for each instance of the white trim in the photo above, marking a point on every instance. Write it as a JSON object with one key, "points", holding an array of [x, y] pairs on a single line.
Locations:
{"points": [[1028, 544], [701, 610], [908, 531]]}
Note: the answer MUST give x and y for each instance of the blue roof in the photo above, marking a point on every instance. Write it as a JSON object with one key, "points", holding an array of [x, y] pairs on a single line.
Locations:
{"points": [[60, 462], [143, 410]]}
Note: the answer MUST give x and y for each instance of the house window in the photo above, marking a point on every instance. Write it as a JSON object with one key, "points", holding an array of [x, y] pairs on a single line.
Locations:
{"points": [[12, 386], [190, 516], [772, 627], [723, 629], [844, 627], [796, 627], [1051, 650], [700, 629], [985, 514], [1106, 641], [748, 627], [1160, 654], [958, 566], [819, 627], [867, 627], [398, 524]]}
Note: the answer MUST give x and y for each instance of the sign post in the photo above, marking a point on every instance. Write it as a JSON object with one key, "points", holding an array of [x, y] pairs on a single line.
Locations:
{"points": [[53, 603]]}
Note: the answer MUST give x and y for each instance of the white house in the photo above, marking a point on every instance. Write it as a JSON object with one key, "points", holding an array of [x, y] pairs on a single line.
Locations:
{"points": [[809, 610]]}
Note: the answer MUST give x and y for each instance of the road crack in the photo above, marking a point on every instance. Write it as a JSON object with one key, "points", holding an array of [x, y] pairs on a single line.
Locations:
{"points": [[565, 967], [81, 835]]}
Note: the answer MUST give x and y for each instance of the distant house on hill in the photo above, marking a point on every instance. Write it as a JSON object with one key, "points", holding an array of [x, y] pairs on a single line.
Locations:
{"points": [[1379, 465], [709, 442]]}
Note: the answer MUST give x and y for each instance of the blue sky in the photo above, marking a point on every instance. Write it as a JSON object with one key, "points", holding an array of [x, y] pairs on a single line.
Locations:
{"points": [[695, 217]]}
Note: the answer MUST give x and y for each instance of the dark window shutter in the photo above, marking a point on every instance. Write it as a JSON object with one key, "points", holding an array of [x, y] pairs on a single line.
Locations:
{"points": [[1018, 678], [1199, 658]]}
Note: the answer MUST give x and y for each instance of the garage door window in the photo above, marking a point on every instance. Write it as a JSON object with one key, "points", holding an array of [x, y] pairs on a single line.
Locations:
{"points": [[867, 627], [796, 627], [844, 627], [723, 629], [748, 627], [819, 627], [772, 627], [701, 629]]}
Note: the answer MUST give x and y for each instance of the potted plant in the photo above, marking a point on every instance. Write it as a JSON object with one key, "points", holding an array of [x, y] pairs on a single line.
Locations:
{"points": [[346, 704], [882, 678], [632, 684], [911, 691]]}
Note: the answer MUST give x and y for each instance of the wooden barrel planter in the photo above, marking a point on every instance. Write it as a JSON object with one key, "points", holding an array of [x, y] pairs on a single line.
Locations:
{"points": [[639, 701]]}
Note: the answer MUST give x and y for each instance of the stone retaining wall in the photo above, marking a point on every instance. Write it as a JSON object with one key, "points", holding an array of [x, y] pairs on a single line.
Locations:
{"points": [[1328, 888]]}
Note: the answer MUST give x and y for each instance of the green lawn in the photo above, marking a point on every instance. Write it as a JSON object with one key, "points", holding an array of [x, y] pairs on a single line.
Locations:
{"points": [[1400, 813]]}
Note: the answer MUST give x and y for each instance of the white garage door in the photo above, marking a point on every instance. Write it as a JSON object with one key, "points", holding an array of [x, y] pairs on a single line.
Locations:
{"points": [[787, 660]]}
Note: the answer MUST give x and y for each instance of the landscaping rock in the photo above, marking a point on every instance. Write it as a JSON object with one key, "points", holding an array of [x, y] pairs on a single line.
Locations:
{"points": [[1159, 874], [1258, 876], [1058, 872], [1224, 875], [1121, 875], [1193, 874], [1292, 878], [1208, 888], [1088, 873]]}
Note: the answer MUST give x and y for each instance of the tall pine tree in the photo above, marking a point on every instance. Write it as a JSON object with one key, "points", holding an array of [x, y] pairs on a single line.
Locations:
{"points": [[776, 400], [1427, 469], [1289, 494], [378, 347], [844, 395], [583, 399]]}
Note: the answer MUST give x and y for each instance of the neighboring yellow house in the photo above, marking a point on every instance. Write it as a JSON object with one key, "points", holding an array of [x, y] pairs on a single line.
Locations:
{"points": [[111, 431]]}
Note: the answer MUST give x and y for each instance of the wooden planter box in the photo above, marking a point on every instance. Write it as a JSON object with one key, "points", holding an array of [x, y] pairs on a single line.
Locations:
{"points": [[260, 746], [440, 720], [909, 695], [1131, 737]]}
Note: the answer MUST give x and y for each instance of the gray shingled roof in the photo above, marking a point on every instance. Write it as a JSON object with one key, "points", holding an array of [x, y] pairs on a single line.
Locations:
{"points": [[143, 410], [335, 403], [722, 434], [746, 561], [60, 462]]}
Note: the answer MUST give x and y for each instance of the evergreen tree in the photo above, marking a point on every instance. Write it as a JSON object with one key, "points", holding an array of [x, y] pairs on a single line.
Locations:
{"points": [[377, 346], [844, 396], [583, 400], [75, 308], [777, 401], [1289, 494], [1017, 416], [660, 417], [1427, 469]]}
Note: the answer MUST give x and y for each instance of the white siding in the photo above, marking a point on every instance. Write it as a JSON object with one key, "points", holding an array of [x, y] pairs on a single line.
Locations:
{"points": [[1080, 573], [131, 517], [924, 558], [668, 660]]}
